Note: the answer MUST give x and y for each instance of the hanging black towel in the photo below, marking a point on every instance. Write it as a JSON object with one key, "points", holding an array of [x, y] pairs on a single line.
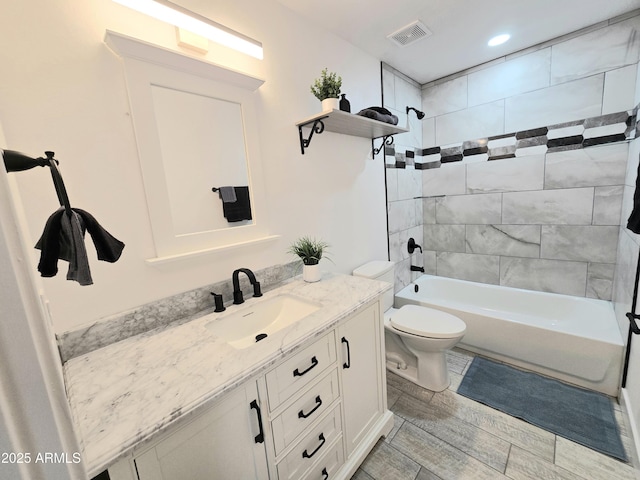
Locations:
{"points": [[63, 238], [240, 209], [633, 223]]}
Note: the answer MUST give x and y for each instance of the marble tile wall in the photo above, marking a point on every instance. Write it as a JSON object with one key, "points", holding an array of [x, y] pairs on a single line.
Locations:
{"points": [[535, 200], [400, 92], [589, 75], [545, 222]]}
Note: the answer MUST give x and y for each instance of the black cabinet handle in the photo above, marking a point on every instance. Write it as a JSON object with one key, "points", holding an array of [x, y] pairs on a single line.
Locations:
{"points": [[325, 474], [301, 414], [305, 454], [314, 362], [260, 437], [347, 364]]}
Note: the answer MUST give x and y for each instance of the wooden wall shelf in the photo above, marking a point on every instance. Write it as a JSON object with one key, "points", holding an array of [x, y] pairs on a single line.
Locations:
{"points": [[338, 121]]}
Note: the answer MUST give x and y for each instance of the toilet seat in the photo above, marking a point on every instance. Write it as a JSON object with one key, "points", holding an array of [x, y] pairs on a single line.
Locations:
{"points": [[427, 322]]}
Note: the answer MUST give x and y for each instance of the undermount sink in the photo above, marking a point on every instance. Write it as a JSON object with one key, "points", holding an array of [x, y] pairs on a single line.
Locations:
{"points": [[256, 322]]}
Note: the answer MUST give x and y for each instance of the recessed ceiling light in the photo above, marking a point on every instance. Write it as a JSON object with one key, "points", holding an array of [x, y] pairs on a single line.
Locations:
{"points": [[499, 40]]}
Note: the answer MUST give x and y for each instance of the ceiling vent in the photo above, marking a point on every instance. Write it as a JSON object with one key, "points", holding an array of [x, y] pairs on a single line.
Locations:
{"points": [[409, 34]]}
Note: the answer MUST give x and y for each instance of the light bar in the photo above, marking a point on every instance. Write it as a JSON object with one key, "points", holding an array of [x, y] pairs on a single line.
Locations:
{"points": [[181, 17]]}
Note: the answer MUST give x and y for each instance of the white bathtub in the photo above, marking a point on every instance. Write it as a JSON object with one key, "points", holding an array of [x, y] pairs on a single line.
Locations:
{"points": [[574, 339]]}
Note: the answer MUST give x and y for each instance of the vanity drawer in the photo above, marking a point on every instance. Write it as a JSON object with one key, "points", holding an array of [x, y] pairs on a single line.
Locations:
{"points": [[305, 411], [311, 448], [326, 467], [298, 371]]}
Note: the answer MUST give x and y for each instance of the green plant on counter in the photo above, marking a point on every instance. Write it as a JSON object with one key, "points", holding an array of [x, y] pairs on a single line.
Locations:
{"points": [[309, 250], [327, 86]]}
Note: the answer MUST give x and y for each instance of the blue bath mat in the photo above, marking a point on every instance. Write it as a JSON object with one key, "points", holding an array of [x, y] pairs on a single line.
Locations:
{"points": [[582, 416]]}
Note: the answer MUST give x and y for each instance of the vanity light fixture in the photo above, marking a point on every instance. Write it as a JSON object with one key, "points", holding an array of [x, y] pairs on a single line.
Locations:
{"points": [[182, 18], [498, 40]]}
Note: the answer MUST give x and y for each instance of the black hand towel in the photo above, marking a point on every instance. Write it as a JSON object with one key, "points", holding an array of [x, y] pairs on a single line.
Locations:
{"points": [[107, 246], [79, 271], [633, 223], [50, 246], [63, 238], [240, 209]]}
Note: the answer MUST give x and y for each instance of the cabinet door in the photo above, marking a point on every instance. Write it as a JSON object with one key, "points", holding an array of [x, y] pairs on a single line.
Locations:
{"points": [[359, 341], [221, 443]]}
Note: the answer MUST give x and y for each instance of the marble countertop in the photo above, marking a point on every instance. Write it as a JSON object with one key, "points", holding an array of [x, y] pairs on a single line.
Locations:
{"points": [[126, 393]]}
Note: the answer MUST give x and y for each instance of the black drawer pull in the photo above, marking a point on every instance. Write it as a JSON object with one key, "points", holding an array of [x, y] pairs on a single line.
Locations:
{"points": [[314, 362], [260, 437], [347, 364], [305, 454], [325, 474], [301, 414]]}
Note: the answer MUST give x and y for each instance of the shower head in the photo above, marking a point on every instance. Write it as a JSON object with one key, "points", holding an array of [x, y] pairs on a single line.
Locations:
{"points": [[419, 114]]}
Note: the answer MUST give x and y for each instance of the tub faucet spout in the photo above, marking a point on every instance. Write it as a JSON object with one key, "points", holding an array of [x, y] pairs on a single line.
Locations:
{"points": [[415, 268], [237, 293]]}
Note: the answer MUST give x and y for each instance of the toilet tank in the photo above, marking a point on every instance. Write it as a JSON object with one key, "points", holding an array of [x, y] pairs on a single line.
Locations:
{"points": [[379, 270]]}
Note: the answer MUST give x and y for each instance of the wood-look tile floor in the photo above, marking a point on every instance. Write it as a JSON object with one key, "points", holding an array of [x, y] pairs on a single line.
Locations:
{"points": [[445, 436]]}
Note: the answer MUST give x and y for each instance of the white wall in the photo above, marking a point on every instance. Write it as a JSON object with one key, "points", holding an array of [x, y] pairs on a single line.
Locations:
{"points": [[34, 415], [628, 248], [62, 89]]}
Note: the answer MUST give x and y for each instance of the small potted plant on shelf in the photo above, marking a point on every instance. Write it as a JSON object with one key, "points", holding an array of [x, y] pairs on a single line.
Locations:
{"points": [[310, 252], [327, 90]]}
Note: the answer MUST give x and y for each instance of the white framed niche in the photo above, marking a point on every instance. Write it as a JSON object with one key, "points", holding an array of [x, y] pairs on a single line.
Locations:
{"points": [[196, 129]]}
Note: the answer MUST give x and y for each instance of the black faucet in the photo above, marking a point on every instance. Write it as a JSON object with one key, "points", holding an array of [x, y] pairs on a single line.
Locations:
{"points": [[237, 293]]}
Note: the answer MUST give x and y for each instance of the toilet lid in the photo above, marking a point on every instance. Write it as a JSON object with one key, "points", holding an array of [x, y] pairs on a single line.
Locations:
{"points": [[427, 322]]}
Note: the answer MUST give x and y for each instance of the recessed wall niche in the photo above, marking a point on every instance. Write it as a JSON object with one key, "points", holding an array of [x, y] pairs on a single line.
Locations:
{"points": [[196, 130]]}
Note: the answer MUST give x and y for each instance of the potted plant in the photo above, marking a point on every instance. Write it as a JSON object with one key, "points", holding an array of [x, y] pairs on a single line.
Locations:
{"points": [[310, 252], [327, 90]]}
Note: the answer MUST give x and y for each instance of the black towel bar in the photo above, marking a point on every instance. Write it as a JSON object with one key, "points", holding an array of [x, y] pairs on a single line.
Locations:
{"points": [[633, 326], [632, 320], [18, 162]]}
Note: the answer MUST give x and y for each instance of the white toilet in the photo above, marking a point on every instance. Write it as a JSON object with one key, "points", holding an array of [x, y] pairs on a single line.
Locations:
{"points": [[416, 337]]}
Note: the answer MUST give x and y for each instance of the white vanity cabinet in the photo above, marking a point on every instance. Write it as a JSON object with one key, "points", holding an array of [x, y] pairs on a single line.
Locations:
{"points": [[326, 401], [322, 409], [305, 416], [223, 442], [362, 371]]}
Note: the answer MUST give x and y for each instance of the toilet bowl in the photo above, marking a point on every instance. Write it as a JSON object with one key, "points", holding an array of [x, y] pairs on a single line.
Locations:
{"points": [[416, 337], [426, 334]]}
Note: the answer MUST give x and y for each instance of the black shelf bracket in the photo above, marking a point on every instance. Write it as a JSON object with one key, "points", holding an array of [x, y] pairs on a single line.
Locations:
{"points": [[386, 140], [317, 126]]}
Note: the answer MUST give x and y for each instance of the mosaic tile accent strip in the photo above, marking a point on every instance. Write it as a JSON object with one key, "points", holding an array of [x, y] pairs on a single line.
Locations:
{"points": [[589, 132]]}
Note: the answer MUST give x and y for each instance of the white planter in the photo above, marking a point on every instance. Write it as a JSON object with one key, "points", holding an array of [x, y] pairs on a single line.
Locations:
{"points": [[329, 104], [311, 273]]}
